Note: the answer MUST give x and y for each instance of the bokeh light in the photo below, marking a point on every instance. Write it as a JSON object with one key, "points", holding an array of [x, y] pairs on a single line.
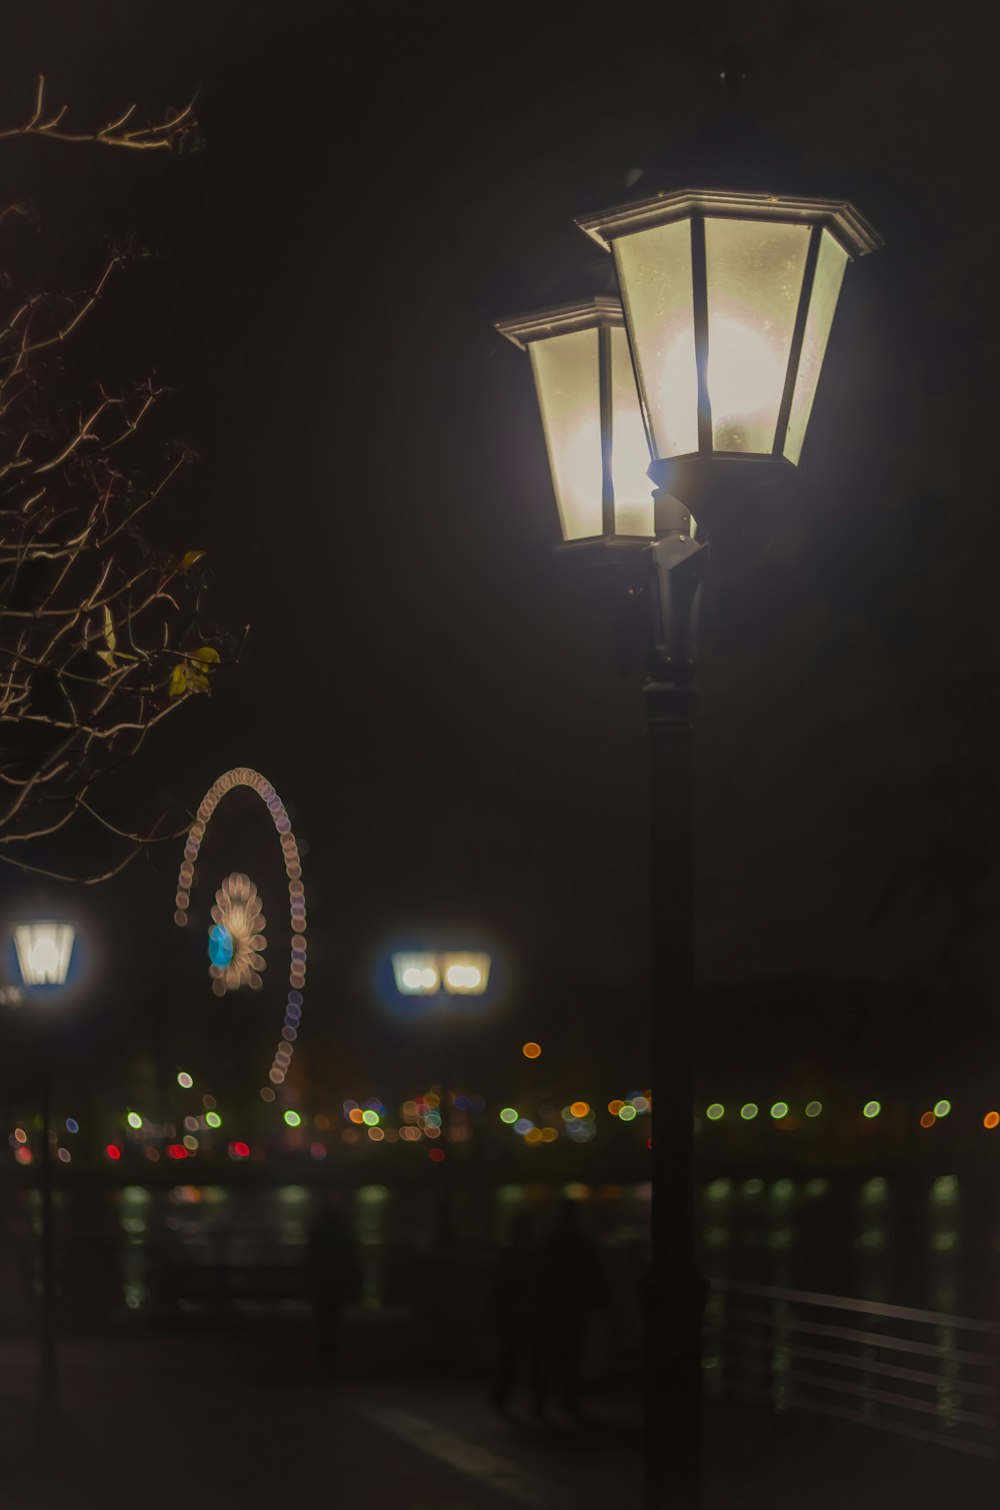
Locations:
{"points": [[942, 1108], [871, 1109], [531, 1050], [213, 1119], [928, 1119], [715, 1112], [748, 1111], [184, 1080], [579, 1108], [779, 1110], [508, 1115], [292, 1118], [134, 1120], [992, 1119], [813, 1108]]}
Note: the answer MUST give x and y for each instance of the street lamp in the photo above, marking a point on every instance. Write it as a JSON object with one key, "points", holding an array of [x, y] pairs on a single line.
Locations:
{"points": [[728, 300], [427, 974], [44, 950]]}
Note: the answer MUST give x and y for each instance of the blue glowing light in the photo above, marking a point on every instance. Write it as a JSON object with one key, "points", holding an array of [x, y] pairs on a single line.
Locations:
{"points": [[220, 945]]}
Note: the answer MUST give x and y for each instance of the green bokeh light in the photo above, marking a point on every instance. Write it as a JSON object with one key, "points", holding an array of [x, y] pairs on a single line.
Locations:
{"points": [[748, 1112], [715, 1112], [134, 1120], [942, 1108], [814, 1108], [213, 1119], [370, 1117], [293, 1119], [508, 1115], [871, 1109], [779, 1110]]}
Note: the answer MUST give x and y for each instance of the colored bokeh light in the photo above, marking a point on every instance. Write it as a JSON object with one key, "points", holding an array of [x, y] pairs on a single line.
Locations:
{"points": [[134, 1120], [72, 1126], [579, 1108], [292, 1118], [531, 1050], [748, 1112], [779, 1110], [184, 1080], [213, 1119], [813, 1108], [991, 1120], [715, 1112], [627, 1112], [508, 1115], [942, 1108], [871, 1109], [113, 1151], [928, 1119]]}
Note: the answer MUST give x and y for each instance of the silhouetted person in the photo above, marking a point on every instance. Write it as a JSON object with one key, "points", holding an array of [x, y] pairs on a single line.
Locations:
{"points": [[334, 1277], [574, 1286], [519, 1315]]}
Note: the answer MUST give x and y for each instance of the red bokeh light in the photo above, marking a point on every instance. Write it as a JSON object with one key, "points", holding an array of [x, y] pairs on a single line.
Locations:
{"points": [[437, 1154], [113, 1151], [177, 1151], [240, 1150]]}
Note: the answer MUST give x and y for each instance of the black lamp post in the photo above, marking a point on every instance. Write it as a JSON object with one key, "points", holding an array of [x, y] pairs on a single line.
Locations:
{"points": [[702, 379], [44, 950]]}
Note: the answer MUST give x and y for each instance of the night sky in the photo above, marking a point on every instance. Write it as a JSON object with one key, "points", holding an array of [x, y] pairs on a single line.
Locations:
{"points": [[440, 703]]}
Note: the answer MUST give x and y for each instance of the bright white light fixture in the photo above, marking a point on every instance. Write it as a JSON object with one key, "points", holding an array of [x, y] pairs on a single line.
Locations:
{"points": [[426, 974], [416, 974], [466, 974], [729, 299], [44, 950], [594, 434]]}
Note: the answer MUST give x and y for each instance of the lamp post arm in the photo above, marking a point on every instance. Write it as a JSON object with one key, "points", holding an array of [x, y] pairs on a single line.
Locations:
{"points": [[679, 564]]}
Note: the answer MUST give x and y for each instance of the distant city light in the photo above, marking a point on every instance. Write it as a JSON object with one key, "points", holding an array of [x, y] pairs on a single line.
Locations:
{"points": [[871, 1109], [184, 1080], [531, 1050], [508, 1115], [942, 1108], [748, 1112], [715, 1112], [294, 1120], [213, 1119], [813, 1108], [779, 1110], [134, 1120]]}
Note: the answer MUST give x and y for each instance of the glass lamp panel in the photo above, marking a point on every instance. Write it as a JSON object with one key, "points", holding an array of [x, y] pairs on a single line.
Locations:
{"points": [[633, 491], [830, 266], [754, 271], [654, 272], [568, 386]]}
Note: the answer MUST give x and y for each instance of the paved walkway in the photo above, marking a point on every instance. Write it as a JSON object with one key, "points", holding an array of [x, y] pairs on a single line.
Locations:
{"points": [[236, 1420]]}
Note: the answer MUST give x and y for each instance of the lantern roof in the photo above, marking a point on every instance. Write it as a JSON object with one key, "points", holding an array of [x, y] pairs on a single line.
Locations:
{"points": [[561, 319], [849, 226]]}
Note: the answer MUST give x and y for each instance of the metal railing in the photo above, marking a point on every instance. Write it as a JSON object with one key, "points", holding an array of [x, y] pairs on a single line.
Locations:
{"points": [[920, 1374]]}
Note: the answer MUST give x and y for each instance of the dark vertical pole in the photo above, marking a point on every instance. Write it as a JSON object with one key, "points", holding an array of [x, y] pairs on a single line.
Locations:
{"points": [[675, 1301], [47, 1335]]}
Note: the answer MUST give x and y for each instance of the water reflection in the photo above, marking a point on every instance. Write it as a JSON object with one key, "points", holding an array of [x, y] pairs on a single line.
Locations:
{"points": [[928, 1241]]}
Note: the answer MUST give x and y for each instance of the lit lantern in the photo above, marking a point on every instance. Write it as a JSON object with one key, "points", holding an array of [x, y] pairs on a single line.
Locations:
{"points": [[729, 299], [594, 433], [416, 974], [465, 974], [44, 951]]}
